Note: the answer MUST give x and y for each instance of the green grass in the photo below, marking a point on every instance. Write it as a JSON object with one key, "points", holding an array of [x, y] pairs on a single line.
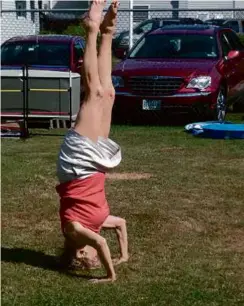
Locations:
{"points": [[185, 223]]}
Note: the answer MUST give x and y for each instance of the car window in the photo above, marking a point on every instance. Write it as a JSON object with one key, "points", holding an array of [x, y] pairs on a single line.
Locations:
{"points": [[41, 53], [234, 25], [242, 23], [234, 41], [78, 51], [147, 26], [176, 46], [225, 45]]}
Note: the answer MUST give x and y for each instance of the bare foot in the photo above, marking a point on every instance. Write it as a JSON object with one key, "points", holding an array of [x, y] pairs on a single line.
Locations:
{"points": [[109, 21], [92, 19], [118, 261]]}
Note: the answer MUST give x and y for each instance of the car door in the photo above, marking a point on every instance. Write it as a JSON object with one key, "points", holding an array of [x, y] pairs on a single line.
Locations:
{"points": [[77, 61], [238, 62], [231, 68]]}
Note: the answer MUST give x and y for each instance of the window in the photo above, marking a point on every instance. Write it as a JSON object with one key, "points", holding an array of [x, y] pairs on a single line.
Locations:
{"points": [[144, 27], [226, 47], [140, 16], [78, 51], [234, 41], [40, 5], [20, 5], [32, 7], [176, 46], [242, 23], [31, 53], [234, 25]]}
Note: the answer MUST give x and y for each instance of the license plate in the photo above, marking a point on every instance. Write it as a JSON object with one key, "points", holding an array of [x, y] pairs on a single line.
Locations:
{"points": [[151, 104]]}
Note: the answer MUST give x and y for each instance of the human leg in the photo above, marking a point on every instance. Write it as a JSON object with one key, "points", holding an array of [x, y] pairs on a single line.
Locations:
{"points": [[119, 224], [92, 21], [88, 120], [81, 236], [107, 29]]}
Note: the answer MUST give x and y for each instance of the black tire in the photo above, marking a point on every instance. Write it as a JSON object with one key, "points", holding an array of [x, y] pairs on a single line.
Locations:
{"points": [[220, 109]]}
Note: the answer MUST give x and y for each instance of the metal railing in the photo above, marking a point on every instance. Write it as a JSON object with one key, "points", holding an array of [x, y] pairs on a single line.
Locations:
{"points": [[22, 93]]}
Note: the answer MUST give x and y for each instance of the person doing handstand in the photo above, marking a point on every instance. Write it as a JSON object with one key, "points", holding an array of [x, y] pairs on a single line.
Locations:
{"points": [[87, 152]]}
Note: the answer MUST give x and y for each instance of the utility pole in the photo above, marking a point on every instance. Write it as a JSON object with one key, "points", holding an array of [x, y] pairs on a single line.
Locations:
{"points": [[131, 24], [175, 7]]}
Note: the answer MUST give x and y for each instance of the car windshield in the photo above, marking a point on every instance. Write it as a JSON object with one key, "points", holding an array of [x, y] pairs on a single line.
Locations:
{"points": [[175, 46], [31, 53]]}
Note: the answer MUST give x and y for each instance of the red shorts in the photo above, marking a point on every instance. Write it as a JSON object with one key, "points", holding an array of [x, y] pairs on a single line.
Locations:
{"points": [[84, 201]]}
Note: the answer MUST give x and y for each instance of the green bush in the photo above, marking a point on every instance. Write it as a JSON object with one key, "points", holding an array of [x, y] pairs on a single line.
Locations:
{"points": [[79, 30], [73, 29], [242, 38], [76, 30]]}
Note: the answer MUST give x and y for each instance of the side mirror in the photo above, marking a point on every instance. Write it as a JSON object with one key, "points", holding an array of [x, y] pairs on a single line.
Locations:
{"points": [[79, 63], [233, 54]]}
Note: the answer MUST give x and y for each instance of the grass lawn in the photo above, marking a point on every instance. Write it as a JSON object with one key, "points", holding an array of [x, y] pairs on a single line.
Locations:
{"points": [[185, 222]]}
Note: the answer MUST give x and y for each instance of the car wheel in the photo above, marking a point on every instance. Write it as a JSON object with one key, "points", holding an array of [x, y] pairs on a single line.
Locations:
{"points": [[220, 110]]}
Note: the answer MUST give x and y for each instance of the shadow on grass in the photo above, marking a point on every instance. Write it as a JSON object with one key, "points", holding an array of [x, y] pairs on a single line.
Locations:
{"points": [[154, 119], [170, 120], [37, 259]]}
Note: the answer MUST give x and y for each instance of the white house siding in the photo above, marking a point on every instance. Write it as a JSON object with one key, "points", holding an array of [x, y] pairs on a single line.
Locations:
{"points": [[12, 25], [124, 17], [216, 4], [160, 5]]}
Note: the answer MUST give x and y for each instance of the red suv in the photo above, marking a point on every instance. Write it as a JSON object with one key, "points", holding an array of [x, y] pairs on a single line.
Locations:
{"points": [[59, 53], [180, 68], [47, 52]]}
